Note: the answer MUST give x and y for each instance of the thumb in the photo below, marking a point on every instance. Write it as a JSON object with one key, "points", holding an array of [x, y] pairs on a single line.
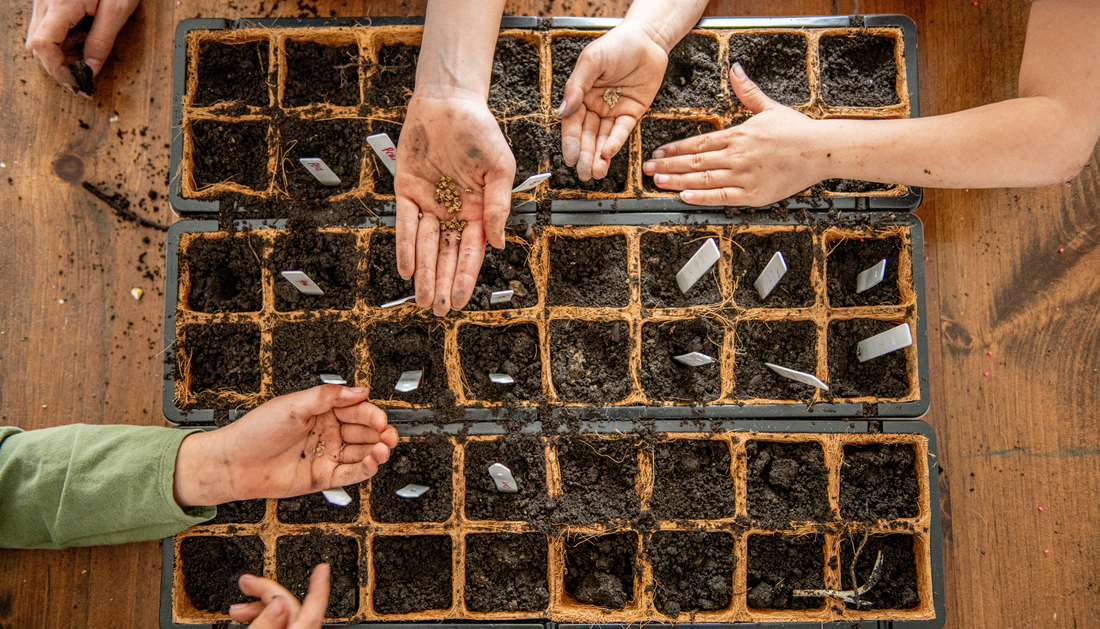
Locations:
{"points": [[585, 73], [748, 92], [274, 616], [109, 19]]}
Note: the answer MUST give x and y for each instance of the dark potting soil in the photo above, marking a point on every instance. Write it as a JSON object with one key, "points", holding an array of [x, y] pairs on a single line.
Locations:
{"points": [[296, 556], [565, 177], [303, 350], [84, 77], [879, 481], [854, 185], [751, 253], [588, 272], [511, 350], [398, 347], [514, 86], [329, 259], [589, 360], [858, 70], [212, 565], [667, 380], [424, 462], [780, 564], [412, 573], [339, 143], [896, 587], [790, 344], [848, 258], [787, 482], [523, 456], [383, 180], [774, 61], [393, 84], [311, 508], [384, 284], [223, 356], [506, 269], [600, 570], [693, 571], [885, 376], [230, 152], [234, 73], [240, 512], [693, 78], [530, 144], [564, 52], [657, 132], [317, 73], [225, 274], [692, 480], [506, 572], [597, 478], [663, 255]]}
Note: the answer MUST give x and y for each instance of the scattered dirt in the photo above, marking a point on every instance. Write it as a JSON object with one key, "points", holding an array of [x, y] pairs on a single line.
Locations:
{"points": [[693, 571], [530, 144], [883, 377], [787, 482], [790, 344], [523, 456], [514, 86], [564, 52], [303, 350], [879, 481], [329, 259], [662, 256], [897, 584], [565, 178], [657, 132], [383, 180], [241, 512], [412, 573], [780, 564], [751, 253], [224, 273], [313, 507], [384, 284], [600, 570], [854, 185], [224, 356], [589, 360], [212, 565], [597, 477], [506, 572], [398, 347], [230, 152], [339, 143], [118, 203], [665, 379], [506, 269], [423, 462], [846, 259], [232, 73], [776, 62], [296, 556], [858, 70], [393, 84], [693, 78], [692, 480], [588, 272], [317, 73], [511, 350]]}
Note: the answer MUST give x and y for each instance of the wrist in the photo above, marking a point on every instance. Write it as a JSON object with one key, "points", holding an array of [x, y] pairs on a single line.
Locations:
{"points": [[658, 33], [199, 478]]}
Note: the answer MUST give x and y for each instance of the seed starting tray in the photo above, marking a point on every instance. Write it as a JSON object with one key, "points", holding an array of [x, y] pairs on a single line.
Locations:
{"points": [[203, 126]]}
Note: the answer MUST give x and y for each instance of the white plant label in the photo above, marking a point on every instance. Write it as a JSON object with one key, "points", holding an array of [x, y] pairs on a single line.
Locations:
{"points": [[331, 378], [320, 170], [409, 381], [694, 359], [799, 376], [501, 296], [770, 276], [412, 491], [337, 496], [397, 302], [531, 182], [501, 378], [302, 282], [871, 278], [699, 264], [385, 150], [502, 476], [889, 341]]}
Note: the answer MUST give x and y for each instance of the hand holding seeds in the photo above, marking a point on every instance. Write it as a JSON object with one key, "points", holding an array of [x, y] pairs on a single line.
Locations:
{"points": [[50, 41], [278, 608]]}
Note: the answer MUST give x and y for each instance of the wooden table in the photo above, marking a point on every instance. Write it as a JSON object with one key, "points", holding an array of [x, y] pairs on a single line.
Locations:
{"points": [[75, 346]]}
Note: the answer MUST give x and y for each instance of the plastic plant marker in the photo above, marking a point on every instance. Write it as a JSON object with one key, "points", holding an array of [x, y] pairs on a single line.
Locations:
{"points": [[889, 341], [337, 496], [412, 491], [302, 282], [694, 359], [320, 170], [385, 150], [770, 276], [502, 476], [799, 376], [397, 302], [531, 182], [501, 378], [501, 296], [699, 264], [331, 378], [409, 381], [872, 277]]}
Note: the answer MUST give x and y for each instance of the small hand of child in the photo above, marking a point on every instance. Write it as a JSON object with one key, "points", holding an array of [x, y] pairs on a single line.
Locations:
{"points": [[278, 608]]}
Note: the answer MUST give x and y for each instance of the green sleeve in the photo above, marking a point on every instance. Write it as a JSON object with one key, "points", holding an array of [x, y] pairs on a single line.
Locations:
{"points": [[84, 485]]}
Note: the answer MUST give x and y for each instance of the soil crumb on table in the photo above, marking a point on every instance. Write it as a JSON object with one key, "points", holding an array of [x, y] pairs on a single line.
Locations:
{"points": [[506, 572], [512, 350], [224, 274], [858, 70], [297, 555], [897, 584], [790, 344], [692, 480], [588, 272], [662, 257], [523, 456], [317, 73], [589, 360], [424, 462], [600, 570], [412, 573], [597, 478], [693, 78], [776, 62], [212, 566], [693, 571], [667, 380], [232, 73], [780, 564], [787, 483], [879, 481], [885, 376]]}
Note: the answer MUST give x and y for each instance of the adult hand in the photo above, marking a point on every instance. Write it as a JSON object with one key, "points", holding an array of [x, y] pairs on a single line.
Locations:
{"points": [[278, 608], [449, 133], [49, 41]]}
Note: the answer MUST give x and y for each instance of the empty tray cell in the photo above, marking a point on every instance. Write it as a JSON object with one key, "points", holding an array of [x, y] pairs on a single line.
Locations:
{"points": [[693, 570], [222, 357], [514, 86], [318, 73], [848, 258], [296, 556], [506, 572], [425, 462], [753, 252], [597, 479], [383, 179], [790, 344], [530, 144], [693, 77], [667, 380], [330, 259], [412, 573], [232, 73], [384, 283], [600, 570], [523, 456], [588, 272], [399, 347], [303, 350], [507, 269], [223, 274], [776, 62], [657, 132], [230, 152], [338, 143], [886, 376], [565, 179], [312, 508], [240, 512], [854, 186], [564, 52], [393, 82], [511, 350], [589, 360], [212, 566], [858, 70], [879, 482], [787, 483], [663, 255], [780, 564], [692, 480], [896, 587]]}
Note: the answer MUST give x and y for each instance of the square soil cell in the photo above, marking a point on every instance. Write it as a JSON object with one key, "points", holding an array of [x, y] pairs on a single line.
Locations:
{"points": [[212, 565], [692, 480], [694, 571], [589, 360], [597, 479], [787, 483], [588, 272], [399, 347], [312, 508], [657, 132], [232, 73], [663, 255], [296, 556], [225, 274], [392, 85], [848, 258], [240, 512], [507, 269], [850, 186], [780, 564], [884, 376], [424, 462], [338, 143], [600, 570], [879, 482], [896, 587], [790, 344], [530, 144], [318, 73], [383, 179], [330, 259], [384, 283], [412, 573], [667, 380], [693, 78], [512, 350], [564, 177], [303, 350], [230, 152], [774, 61], [858, 70], [514, 85], [506, 572], [523, 456], [224, 357], [564, 52], [752, 253]]}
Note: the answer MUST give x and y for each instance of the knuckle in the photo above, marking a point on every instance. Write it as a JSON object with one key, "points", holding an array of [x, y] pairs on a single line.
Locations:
{"points": [[698, 143], [706, 179], [695, 161]]}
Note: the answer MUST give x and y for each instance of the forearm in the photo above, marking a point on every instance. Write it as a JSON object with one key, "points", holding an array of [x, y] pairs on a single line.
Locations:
{"points": [[456, 54], [665, 21]]}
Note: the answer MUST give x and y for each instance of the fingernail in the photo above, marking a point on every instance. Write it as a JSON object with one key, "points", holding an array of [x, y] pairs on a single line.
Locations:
{"points": [[649, 167], [561, 108], [658, 154], [247, 577], [237, 607], [660, 178], [738, 71], [686, 195], [323, 568], [357, 389], [95, 64]]}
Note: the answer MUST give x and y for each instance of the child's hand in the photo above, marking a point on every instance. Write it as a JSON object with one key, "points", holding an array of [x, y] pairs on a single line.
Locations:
{"points": [[278, 608]]}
